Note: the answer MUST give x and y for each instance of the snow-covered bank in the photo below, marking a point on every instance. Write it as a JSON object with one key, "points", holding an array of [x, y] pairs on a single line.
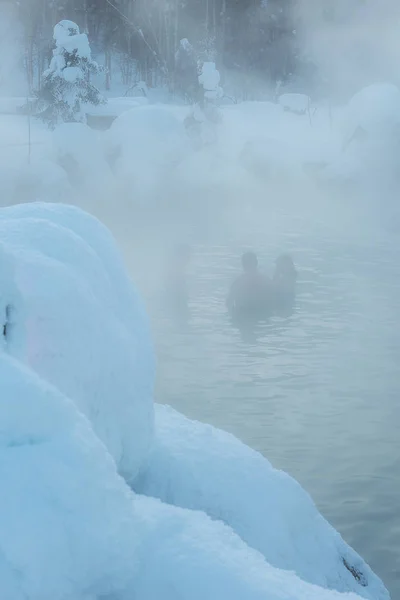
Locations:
{"points": [[196, 466], [147, 157], [79, 311], [76, 377], [71, 529]]}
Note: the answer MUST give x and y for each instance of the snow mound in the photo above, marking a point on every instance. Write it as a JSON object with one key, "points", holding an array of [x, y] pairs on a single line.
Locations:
{"points": [[375, 108], [146, 142], [66, 519], [86, 329], [71, 529], [201, 468], [42, 179], [196, 558]]}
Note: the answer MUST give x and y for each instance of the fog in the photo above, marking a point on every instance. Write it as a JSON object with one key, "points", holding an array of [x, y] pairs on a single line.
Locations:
{"points": [[315, 390]]}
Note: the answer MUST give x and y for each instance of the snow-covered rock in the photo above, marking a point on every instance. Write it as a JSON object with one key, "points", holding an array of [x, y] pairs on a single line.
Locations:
{"points": [[375, 109], [370, 127], [86, 330], [71, 529], [201, 468]]}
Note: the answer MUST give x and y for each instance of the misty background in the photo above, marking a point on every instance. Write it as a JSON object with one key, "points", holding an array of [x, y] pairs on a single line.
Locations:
{"points": [[286, 170]]}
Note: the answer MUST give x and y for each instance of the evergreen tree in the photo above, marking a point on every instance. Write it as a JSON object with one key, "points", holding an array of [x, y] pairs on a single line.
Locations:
{"points": [[201, 123], [186, 71], [66, 85]]}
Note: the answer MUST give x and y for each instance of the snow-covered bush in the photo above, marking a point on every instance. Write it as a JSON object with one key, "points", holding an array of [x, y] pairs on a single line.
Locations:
{"points": [[66, 83]]}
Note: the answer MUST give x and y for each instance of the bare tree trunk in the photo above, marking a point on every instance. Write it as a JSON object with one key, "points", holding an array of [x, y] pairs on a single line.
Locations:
{"points": [[223, 34], [176, 42], [214, 21], [108, 68]]}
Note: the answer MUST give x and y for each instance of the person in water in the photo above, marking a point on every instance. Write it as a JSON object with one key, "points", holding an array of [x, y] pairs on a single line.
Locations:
{"points": [[284, 280], [176, 283], [251, 292]]}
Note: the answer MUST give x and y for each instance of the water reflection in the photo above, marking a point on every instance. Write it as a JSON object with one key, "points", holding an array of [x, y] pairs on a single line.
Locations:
{"points": [[316, 387]]}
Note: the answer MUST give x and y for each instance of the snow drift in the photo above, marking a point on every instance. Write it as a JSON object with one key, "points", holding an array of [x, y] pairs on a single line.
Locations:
{"points": [[86, 330], [71, 529], [196, 466], [66, 519]]}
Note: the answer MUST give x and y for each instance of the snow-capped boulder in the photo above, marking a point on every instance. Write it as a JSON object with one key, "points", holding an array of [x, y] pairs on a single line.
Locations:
{"points": [[85, 329]]}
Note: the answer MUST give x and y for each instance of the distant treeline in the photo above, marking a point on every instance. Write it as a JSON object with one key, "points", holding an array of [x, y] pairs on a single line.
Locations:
{"points": [[255, 43]]}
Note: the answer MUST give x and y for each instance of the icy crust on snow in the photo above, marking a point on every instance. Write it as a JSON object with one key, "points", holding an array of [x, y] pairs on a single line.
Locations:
{"points": [[86, 329], [71, 529], [198, 467]]}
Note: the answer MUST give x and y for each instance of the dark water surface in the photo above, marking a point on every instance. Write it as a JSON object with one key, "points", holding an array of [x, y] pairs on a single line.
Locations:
{"points": [[317, 392]]}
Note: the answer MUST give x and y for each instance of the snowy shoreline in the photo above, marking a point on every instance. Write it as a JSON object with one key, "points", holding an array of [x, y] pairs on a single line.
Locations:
{"points": [[209, 515]]}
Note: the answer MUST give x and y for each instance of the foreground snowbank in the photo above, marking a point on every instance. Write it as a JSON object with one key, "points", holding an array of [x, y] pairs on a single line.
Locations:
{"points": [[76, 413], [86, 330], [71, 529], [66, 519], [201, 468]]}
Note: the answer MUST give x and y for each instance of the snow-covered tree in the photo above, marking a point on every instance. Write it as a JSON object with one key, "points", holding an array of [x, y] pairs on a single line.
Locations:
{"points": [[186, 72], [205, 115], [66, 85]]}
